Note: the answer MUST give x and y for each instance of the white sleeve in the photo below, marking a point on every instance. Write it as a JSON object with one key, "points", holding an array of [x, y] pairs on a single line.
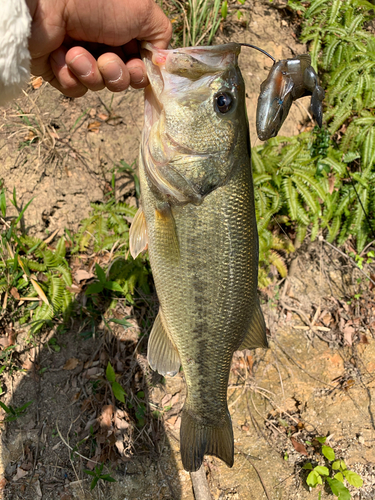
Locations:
{"points": [[15, 23]]}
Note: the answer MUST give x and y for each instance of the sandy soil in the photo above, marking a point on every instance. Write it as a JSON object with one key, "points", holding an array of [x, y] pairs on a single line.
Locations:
{"points": [[311, 382]]}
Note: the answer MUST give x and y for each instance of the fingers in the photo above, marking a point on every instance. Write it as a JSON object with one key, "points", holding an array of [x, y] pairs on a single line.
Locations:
{"points": [[138, 74], [61, 77], [114, 72], [108, 71], [85, 68], [75, 71]]}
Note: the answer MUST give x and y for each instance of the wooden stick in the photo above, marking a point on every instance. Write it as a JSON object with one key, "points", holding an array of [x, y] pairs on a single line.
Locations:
{"points": [[200, 484]]}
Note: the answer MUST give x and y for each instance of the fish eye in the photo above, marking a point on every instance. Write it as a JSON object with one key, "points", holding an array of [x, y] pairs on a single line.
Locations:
{"points": [[223, 102]]}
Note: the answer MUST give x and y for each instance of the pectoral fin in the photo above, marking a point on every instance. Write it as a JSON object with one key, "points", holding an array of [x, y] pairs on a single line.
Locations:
{"points": [[256, 333], [162, 354], [138, 240], [165, 229]]}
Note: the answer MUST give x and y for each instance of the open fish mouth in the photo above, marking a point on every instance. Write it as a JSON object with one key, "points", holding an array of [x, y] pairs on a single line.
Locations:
{"points": [[180, 109], [176, 71]]}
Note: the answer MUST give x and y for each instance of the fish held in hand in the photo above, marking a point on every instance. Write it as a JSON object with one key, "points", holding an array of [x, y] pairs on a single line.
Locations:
{"points": [[288, 80], [197, 219]]}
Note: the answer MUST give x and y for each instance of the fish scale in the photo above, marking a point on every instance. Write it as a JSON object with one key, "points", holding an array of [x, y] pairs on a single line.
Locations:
{"points": [[204, 259]]}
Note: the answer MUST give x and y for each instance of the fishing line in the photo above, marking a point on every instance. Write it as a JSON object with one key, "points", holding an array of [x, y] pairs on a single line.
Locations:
{"points": [[351, 179], [260, 50]]}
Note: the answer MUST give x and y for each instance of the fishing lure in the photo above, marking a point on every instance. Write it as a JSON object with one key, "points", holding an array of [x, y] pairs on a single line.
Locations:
{"points": [[287, 81]]}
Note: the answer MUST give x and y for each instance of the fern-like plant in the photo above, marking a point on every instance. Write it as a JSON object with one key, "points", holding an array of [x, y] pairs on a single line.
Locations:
{"points": [[33, 274], [325, 179]]}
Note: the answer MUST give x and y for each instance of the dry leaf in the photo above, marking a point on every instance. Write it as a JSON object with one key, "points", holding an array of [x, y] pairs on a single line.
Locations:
{"points": [[166, 400], [120, 445], [348, 332], [7, 341], [172, 421], [20, 474], [15, 293], [120, 422], [93, 372], [30, 136], [299, 447], [94, 127], [39, 291], [175, 399], [71, 364], [106, 416], [82, 274], [331, 183], [37, 82], [90, 464], [103, 117]]}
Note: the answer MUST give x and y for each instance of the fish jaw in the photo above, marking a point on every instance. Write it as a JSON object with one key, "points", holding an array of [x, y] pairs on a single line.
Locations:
{"points": [[187, 143]]}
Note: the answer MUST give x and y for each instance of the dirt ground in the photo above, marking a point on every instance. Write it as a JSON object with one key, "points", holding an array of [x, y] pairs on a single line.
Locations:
{"points": [[317, 378]]}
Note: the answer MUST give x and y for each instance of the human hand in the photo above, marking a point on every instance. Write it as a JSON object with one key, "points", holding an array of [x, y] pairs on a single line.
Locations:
{"points": [[78, 45]]}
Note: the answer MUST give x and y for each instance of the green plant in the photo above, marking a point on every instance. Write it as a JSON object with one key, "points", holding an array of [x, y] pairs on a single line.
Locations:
{"points": [[320, 475], [324, 180], [117, 389], [103, 283], [97, 474], [33, 275], [105, 227], [363, 259], [201, 20], [14, 413]]}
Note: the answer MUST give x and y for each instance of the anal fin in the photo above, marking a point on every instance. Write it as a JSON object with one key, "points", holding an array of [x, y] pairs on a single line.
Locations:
{"points": [[256, 333], [138, 240], [162, 355]]}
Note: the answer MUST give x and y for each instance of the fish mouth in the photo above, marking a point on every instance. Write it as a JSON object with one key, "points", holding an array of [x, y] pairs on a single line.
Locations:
{"points": [[192, 62], [172, 163]]}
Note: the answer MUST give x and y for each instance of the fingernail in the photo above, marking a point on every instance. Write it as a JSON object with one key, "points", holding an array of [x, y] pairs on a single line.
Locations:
{"points": [[81, 66], [113, 71], [136, 74]]}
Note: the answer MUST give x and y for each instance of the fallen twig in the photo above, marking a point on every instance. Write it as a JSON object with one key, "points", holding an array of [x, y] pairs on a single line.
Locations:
{"points": [[247, 456], [350, 259], [200, 484]]}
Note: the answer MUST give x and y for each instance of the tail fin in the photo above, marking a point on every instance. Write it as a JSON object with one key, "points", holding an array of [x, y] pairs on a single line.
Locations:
{"points": [[197, 440]]}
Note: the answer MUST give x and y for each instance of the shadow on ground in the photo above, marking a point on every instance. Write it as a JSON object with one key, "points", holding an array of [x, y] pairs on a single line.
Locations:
{"points": [[75, 423]]}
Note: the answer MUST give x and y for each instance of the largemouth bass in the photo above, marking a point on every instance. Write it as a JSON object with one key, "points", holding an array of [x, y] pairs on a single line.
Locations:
{"points": [[197, 218], [288, 80]]}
